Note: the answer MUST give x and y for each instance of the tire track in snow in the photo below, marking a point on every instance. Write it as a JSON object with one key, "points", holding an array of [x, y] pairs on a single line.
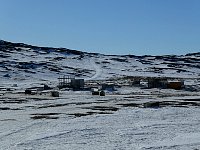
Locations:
{"points": [[18, 131], [97, 69], [46, 137]]}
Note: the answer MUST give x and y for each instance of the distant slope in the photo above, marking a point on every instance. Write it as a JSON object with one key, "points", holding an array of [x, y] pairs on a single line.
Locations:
{"points": [[21, 62]]}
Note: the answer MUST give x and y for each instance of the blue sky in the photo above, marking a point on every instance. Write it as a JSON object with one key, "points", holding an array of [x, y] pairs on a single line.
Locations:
{"points": [[136, 27]]}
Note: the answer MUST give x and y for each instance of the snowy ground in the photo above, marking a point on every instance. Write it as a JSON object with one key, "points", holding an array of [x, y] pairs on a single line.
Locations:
{"points": [[123, 119], [78, 120]]}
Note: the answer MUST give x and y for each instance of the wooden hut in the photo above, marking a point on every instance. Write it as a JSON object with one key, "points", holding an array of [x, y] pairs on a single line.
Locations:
{"points": [[177, 85], [157, 83]]}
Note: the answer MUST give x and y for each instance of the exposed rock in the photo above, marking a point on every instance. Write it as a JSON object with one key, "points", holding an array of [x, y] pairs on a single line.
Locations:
{"points": [[7, 76], [152, 105], [54, 93], [28, 91], [46, 87]]}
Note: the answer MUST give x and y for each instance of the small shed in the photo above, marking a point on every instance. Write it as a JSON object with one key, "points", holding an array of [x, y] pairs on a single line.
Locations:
{"points": [[177, 85], [157, 83], [77, 84], [95, 91]]}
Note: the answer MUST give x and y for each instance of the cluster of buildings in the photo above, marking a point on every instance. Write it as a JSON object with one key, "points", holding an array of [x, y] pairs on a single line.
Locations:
{"points": [[161, 82], [152, 82], [98, 88]]}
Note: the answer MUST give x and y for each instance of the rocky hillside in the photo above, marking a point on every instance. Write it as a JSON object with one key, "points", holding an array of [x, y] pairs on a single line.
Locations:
{"points": [[21, 62]]}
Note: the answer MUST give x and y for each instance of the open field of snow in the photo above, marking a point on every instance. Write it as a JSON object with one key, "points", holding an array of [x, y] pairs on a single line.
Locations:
{"points": [[79, 120], [129, 117]]}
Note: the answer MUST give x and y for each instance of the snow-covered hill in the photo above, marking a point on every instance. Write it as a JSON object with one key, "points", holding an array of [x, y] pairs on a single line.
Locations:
{"points": [[130, 117], [21, 62]]}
